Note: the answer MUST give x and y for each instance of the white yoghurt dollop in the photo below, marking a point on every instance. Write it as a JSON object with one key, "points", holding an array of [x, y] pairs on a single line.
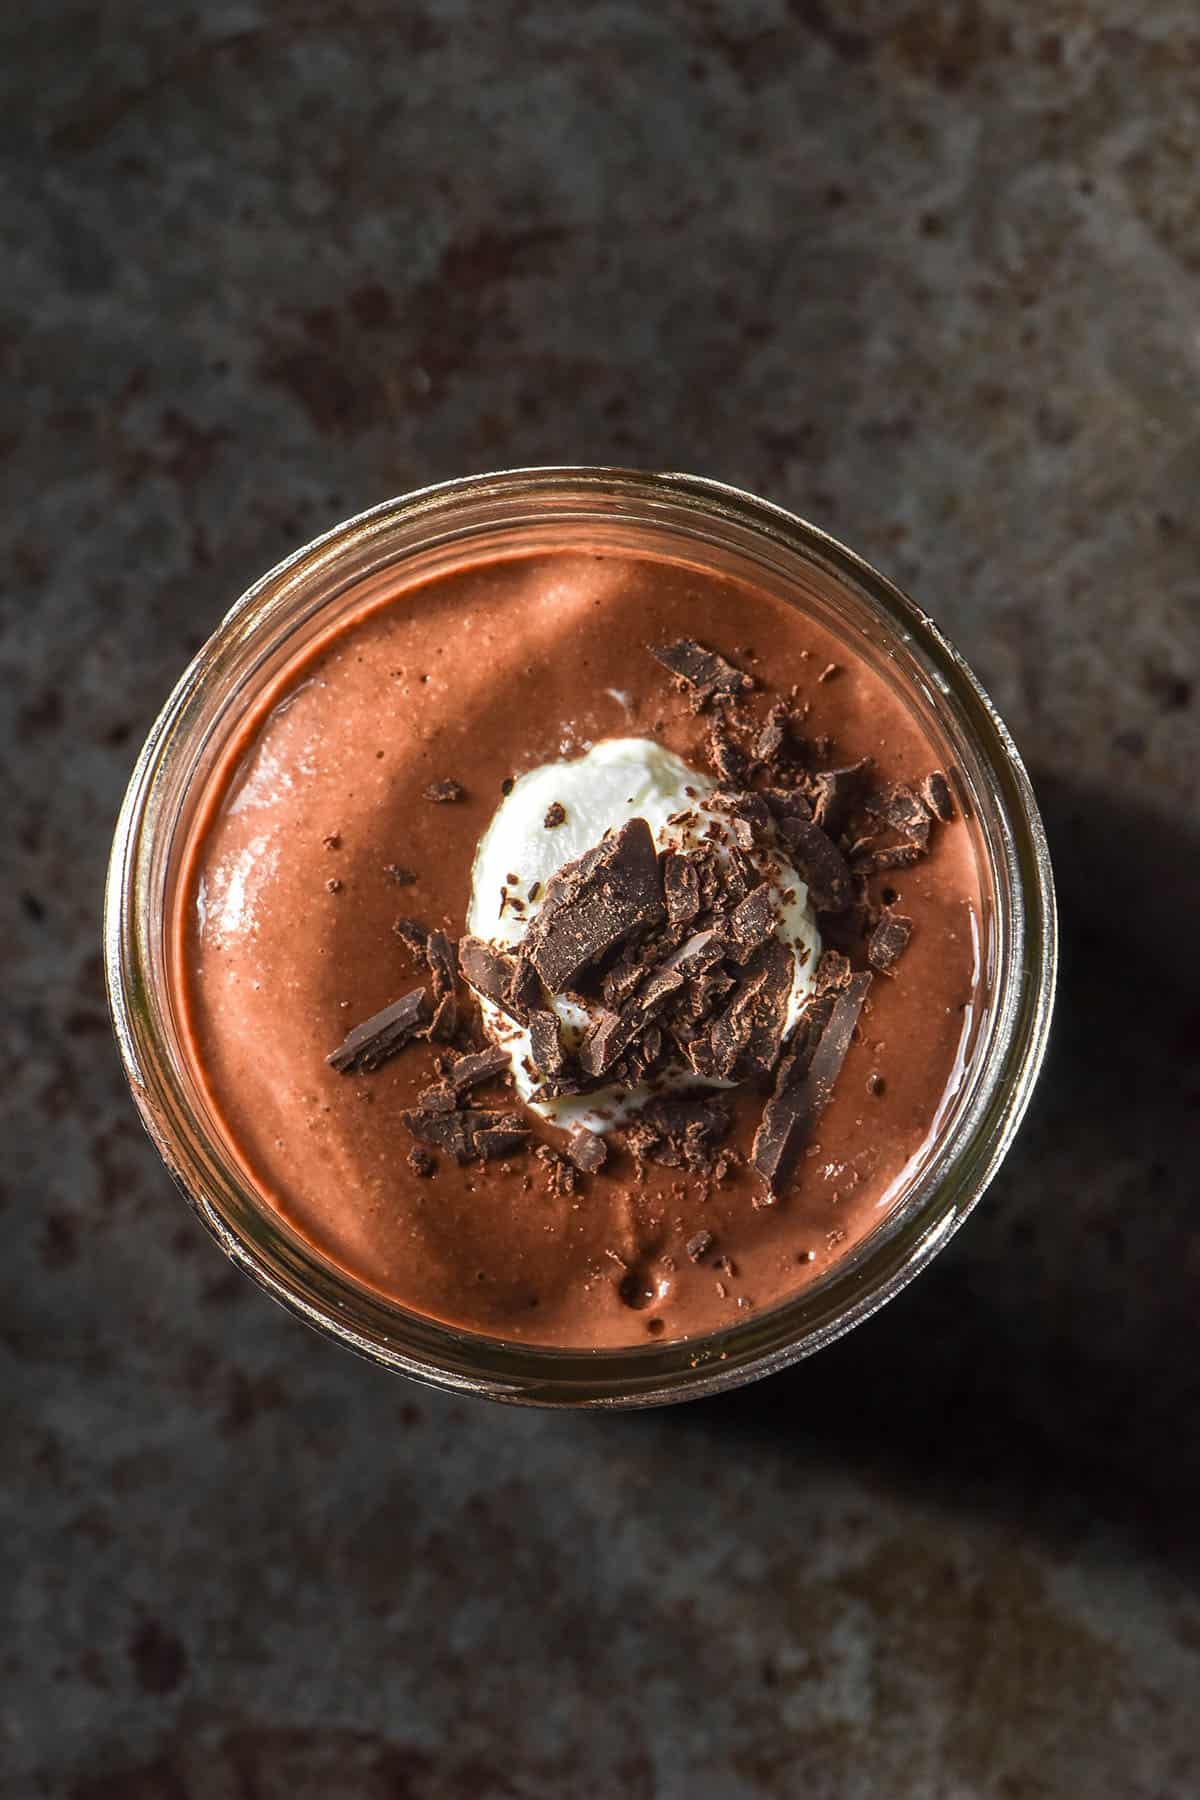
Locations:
{"points": [[618, 780]]}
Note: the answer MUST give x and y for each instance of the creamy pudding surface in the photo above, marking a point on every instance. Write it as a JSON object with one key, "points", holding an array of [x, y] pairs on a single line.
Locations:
{"points": [[607, 1177]]}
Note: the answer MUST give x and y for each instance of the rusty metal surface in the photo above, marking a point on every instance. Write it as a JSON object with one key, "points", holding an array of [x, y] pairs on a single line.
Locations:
{"points": [[929, 274]]}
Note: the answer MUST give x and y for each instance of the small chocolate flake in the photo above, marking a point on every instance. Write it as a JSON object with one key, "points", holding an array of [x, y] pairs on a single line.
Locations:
{"points": [[399, 874], [445, 793], [422, 1162], [699, 1246], [889, 940], [835, 792], [440, 1098], [479, 1066], [709, 674], [876, 1085], [906, 813], [545, 1042], [439, 954], [444, 1024], [534, 891], [382, 1035], [332, 840], [833, 973], [935, 791], [829, 671], [804, 1084], [333, 885], [556, 815], [507, 786], [819, 861], [587, 1150], [488, 971], [414, 934]]}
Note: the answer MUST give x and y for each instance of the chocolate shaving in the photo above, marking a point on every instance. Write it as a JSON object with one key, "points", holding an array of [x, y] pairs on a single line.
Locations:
{"points": [[699, 1246], [804, 1084], [746, 1038], [382, 1035], [587, 1150], [524, 990], [608, 1035], [545, 1042], [444, 793], [489, 971], [469, 1133], [556, 814], [833, 972], [873, 858], [679, 1131], [421, 1162], [594, 904], [399, 874], [681, 888], [414, 935], [440, 1098], [709, 674], [773, 736], [444, 1024], [819, 861], [835, 792], [935, 792], [730, 762], [889, 940], [905, 812], [439, 954], [753, 920], [478, 1066]]}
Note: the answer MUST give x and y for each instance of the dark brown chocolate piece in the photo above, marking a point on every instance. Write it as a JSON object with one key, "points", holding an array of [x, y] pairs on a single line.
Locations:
{"points": [[587, 1150], [833, 972], [680, 1131], [382, 1035], [607, 1037], [873, 858], [753, 920], [804, 1084], [413, 933], [469, 1133], [889, 941], [545, 1042], [819, 861], [773, 736], [746, 1038], [487, 970], [709, 674], [556, 814], [699, 1246], [444, 793], [478, 1066], [935, 792], [440, 1098], [594, 904], [905, 812], [524, 990], [439, 954], [444, 1026], [835, 792], [421, 1162], [402, 876], [730, 762], [681, 888]]}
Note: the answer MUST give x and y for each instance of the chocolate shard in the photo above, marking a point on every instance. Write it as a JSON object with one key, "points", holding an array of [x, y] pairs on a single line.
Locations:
{"points": [[709, 674], [681, 888], [935, 792], [488, 970], [439, 954], [832, 973], [524, 990], [556, 815], [773, 735], [414, 934], [889, 941], [382, 1035], [472, 1132], [730, 762], [608, 1035], [587, 1150], [787, 803], [545, 1042], [440, 1098], [699, 1245], [803, 1086], [873, 858], [905, 812], [752, 920], [593, 905], [400, 874], [444, 1026], [680, 1131], [746, 1038], [819, 861], [478, 1066], [421, 1162], [835, 792], [444, 793], [503, 1137]]}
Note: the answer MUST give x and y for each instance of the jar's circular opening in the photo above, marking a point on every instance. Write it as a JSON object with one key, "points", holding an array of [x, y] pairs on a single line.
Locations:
{"points": [[304, 597]]}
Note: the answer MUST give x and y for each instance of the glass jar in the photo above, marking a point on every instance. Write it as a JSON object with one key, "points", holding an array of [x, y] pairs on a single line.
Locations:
{"points": [[272, 626]]}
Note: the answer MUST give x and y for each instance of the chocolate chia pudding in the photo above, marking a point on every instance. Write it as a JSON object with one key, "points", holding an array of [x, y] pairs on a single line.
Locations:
{"points": [[582, 947]]}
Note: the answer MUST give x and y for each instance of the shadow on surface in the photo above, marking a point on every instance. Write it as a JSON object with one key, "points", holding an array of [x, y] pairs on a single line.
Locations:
{"points": [[1051, 1352]]}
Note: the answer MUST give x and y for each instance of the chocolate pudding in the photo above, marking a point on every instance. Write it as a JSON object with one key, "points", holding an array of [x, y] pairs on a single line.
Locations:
{"points": [[605, 1103]]}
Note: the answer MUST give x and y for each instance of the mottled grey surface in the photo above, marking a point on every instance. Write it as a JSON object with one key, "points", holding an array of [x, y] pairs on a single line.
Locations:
{"points": [[929, 273]]}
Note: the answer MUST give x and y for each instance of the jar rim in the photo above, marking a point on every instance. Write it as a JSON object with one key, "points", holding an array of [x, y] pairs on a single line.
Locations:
{"points": [[334, 1302]]}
